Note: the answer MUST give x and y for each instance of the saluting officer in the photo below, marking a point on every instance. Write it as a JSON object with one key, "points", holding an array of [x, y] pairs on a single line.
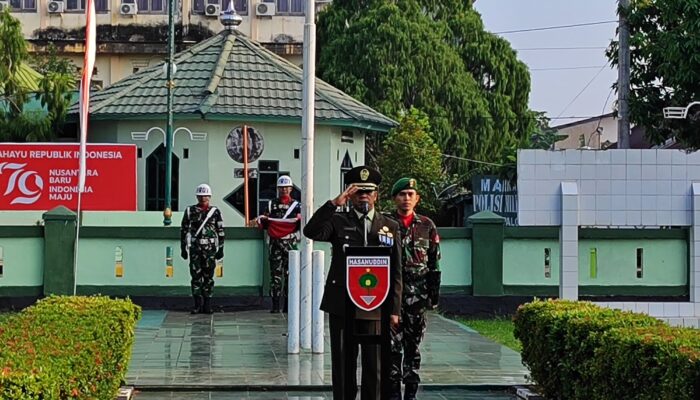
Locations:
{"points": [[202, 240], [421, 286], [350, 228]]}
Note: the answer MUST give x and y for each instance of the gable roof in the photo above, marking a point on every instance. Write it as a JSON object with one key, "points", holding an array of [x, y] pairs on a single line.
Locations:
{"points": [[230, 77]]}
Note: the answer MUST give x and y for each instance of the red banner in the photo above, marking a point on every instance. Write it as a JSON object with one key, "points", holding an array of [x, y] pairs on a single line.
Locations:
{"points": [[42, 176], [367, 280]]}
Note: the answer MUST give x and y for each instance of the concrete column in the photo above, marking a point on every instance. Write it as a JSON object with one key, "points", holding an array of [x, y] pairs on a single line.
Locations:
{"points": [[694, 243], [568, 242], [59, 251], [293, 302], [487, 253]]}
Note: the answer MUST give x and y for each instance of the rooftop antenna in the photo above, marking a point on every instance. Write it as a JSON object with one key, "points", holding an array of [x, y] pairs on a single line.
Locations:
{"points": [[230, 18]]}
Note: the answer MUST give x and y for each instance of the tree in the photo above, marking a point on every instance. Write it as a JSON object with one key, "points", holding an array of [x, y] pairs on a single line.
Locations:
{"points": [[409, 151], [433, 55], [53, 88], [665, 66]]}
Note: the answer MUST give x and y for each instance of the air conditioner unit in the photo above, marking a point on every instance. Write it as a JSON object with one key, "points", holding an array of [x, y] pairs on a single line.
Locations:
{"points": [[265, 9], [4, 5], [212, 10], [128, 9], [56, 7]]}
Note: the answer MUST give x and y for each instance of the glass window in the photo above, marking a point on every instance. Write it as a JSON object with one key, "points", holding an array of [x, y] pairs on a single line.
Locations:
{"points": [[290, 7], [22, 5], [150, 6], [155, 180], [79, 5]]}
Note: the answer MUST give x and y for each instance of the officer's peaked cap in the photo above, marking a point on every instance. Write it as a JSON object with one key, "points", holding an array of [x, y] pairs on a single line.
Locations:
{"points": [[365, 178]]}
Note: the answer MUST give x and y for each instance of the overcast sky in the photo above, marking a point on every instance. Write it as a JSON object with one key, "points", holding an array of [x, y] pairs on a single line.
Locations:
{"points": [[553, 90]]}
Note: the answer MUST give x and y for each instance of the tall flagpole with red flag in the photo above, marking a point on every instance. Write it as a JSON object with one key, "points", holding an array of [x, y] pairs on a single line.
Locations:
{"points": [[84, 102]]}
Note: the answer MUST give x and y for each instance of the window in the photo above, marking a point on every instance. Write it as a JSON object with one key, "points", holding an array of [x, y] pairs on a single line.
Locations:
{"points": [[241, 5], [290, 7], [345, 167], [148, 6], [79, 5], [138, 65], [260, 190], [155, 180], [23, 5]]}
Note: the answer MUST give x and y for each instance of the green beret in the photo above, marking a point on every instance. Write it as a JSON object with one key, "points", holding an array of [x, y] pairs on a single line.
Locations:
{"points": [[403, 184]]}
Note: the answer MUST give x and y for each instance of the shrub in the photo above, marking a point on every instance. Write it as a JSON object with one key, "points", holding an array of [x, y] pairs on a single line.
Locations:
{"points": [[67, 348], [648, 363], [559, 339]]}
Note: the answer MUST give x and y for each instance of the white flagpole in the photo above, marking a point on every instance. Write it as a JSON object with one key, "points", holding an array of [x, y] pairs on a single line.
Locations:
{"points": [[88, 67]]}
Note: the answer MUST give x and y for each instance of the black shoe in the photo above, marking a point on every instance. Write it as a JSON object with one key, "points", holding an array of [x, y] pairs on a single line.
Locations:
{"points": [[285, 308], [275, 305], [197, 305], [395, 391], [410, 391], [206, 308]]}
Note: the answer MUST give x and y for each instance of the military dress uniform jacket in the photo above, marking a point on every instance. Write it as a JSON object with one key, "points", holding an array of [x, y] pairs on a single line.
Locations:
{"points": [[343, 229]]}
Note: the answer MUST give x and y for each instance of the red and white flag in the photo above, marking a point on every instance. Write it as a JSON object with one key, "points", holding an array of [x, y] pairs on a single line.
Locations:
{"points": [[84, 102]]}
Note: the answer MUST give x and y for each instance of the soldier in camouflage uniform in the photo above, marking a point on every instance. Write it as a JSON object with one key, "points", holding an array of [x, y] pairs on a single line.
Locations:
{"points": [[421, 286], [202, 240], [281, 220]]}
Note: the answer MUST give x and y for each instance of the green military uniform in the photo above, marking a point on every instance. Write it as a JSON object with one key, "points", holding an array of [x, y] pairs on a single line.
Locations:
{"points": [[279, 247], [421, 282], [203, 246]]}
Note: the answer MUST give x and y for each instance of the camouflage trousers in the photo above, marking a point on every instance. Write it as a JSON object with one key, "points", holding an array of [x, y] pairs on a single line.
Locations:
{"points": [[202, 267], [404, 347], [279, 265]]}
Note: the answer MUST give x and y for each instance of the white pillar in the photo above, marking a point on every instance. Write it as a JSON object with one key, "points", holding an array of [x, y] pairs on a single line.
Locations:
{"points": [[694, 243], [293, 303], [568, 242], [308, 120], [305, 299], [318, 317]]}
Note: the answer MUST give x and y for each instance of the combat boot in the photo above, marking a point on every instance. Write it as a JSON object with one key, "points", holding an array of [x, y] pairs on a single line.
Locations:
{"points": [[410, 391], [197, 305], [395, 391], [275, 305], [206, 308]]}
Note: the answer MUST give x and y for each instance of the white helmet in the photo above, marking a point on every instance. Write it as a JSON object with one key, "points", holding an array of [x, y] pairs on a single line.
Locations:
{"points": [[284, 181], [203, 190]]}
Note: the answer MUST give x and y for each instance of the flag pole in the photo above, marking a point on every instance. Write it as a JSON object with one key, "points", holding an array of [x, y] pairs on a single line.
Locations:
{"points": [[245, 174], [167, 212], [88, 67]]}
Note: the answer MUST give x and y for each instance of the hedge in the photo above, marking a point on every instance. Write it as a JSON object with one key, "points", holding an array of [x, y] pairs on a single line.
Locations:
{"points": [[67, 348], [561, 339], [648, 364]]}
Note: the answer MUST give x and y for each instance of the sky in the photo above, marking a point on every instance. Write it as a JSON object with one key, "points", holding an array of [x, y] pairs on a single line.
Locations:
{"points": [[554, 91]]}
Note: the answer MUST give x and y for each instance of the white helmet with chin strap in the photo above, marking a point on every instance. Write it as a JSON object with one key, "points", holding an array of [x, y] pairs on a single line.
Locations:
{"points": [[284, 181], [203, 190]]}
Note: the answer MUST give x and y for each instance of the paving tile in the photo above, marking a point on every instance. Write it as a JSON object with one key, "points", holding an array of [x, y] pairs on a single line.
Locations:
{"points": [[249, 348]]}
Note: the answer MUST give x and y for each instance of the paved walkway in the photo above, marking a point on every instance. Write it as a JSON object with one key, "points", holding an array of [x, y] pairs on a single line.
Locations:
{"points": [[443, 394], [247, 350]]}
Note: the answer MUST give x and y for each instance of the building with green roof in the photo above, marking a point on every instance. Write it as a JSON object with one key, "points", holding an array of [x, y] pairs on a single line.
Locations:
{"points": [[221, 85]]}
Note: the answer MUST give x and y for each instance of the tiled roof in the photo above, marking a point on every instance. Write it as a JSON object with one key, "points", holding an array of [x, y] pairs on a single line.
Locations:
{"points": [[230, 77]]}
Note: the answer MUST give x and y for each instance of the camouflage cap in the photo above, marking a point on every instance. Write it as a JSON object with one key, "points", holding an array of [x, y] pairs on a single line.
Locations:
{"points": [[403, 184]]}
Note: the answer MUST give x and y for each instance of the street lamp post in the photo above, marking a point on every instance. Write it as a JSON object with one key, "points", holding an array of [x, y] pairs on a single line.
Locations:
{"points": [[167, 212], [679, 112]]}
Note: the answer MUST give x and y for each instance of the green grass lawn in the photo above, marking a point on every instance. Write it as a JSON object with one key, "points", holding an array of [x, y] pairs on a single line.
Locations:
{"points": [[498, 329]]}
